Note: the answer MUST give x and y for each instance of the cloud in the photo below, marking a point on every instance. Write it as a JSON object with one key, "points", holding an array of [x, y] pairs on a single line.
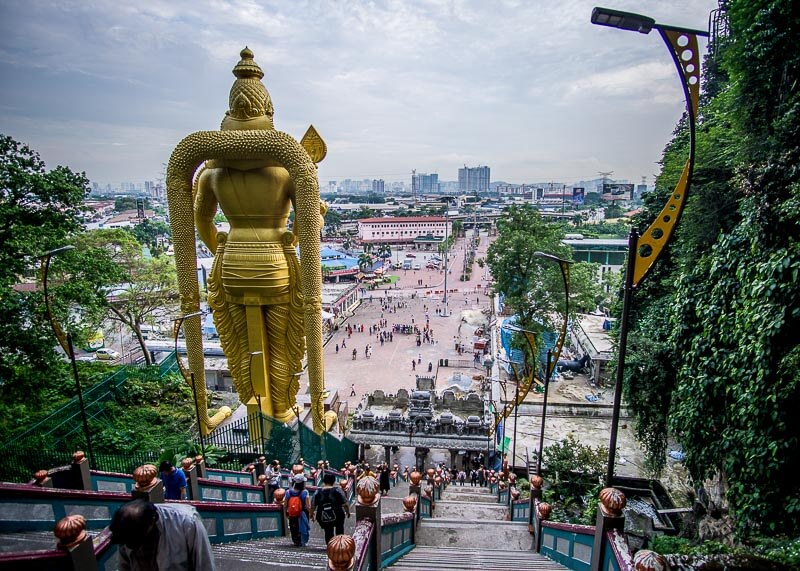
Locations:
{"points": [[525, 86]]}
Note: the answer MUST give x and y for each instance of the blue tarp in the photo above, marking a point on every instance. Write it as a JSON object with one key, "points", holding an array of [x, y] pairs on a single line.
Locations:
{"points": [[516, 355]]}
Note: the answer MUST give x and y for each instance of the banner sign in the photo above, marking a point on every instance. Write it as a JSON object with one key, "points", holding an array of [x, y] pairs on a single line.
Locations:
{"points": [[617, 191]]}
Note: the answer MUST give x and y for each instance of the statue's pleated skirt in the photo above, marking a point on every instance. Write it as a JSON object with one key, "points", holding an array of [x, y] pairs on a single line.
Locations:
{"points": [[255, 273]]}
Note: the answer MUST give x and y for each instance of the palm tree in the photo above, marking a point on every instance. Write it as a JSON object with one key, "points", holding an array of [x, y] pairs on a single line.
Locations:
{"points": [[458, 226], [364, 261], [384, 251]]}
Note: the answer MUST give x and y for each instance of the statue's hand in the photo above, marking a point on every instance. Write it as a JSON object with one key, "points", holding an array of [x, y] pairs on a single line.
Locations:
{"points": [[222, 237]]}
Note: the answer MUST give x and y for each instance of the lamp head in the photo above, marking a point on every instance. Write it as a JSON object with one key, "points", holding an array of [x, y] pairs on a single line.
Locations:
{"points": [[551, 257], [187, 316], [622, 20], [56, 252]]}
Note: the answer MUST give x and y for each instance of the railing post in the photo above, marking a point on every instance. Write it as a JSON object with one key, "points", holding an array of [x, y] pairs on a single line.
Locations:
{"points": [[609, 516], [536, 494], [73, 539], [543, 511], [148, 486], [42, 479], [79, 472], [368, 506], [200, 465], [189, 470], [277, 498], [414, 488], [410, 506]]}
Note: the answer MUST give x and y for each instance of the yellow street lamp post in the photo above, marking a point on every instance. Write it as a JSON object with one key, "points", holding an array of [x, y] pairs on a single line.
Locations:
{"points": [[66, 344], [643, 252], [551, 363], [178, 324]]}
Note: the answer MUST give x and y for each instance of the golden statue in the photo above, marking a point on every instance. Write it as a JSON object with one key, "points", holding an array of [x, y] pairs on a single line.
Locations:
{"points": [[267, 304]]}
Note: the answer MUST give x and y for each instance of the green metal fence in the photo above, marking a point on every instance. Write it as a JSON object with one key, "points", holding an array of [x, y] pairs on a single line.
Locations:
{"points": [[51, 441], [257, 435]]}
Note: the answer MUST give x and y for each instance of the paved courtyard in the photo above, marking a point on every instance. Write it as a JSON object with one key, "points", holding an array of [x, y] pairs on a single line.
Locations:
{"points": [[390, 366]]}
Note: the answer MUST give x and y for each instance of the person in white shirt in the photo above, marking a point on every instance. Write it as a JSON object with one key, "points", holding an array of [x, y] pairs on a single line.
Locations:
{"points": [[161, 536]]}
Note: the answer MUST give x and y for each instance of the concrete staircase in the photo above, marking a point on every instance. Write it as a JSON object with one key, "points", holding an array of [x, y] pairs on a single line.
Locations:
{"points": [[469, 530], [278, 553]]}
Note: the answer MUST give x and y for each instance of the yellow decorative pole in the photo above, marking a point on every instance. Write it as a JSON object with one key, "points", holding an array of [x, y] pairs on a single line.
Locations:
{"points": [[643, 252]]}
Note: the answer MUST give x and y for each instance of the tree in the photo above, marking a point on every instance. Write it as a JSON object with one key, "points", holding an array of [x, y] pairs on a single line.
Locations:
{"points": [[533, 287], [39, 210], [152, 288], [333, 221], [713, 345], [384, 251], [364, 261], [458, 227], [363, 212], [151, 233]]}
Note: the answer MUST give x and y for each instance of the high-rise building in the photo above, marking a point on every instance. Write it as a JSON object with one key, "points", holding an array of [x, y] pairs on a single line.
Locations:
{"points": [[473, 179], [378, 186], [425, 183]]}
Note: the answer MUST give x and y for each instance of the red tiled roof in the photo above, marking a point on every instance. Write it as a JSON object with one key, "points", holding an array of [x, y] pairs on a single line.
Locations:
{"points": [[404, 219]]}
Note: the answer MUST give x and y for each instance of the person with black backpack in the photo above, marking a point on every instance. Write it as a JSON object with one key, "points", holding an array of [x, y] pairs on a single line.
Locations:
{"points": [[330, 506]]}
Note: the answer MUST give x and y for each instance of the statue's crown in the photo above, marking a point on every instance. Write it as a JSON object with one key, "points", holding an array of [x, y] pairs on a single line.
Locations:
{"points": [[248, 98]]}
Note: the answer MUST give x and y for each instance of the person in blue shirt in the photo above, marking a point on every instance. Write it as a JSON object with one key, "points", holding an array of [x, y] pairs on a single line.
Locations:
{"points": [[174, 481]]}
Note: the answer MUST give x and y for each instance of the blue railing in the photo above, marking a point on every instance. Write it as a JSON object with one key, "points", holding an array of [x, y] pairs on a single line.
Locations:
{"points": [[220, 491], [397, 537], [111, 482], [493, 487], [568, 544], [425, 507], [28, 508], [237, 522], [502, 496], [520, 510], [229, 476]]}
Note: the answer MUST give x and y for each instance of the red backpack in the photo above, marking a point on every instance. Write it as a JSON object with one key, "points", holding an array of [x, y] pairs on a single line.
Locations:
{"points": [[295, 506]]}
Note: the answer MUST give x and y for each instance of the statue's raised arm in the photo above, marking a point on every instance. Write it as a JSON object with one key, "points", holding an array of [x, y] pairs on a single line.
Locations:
{"points": [[267, 304]]}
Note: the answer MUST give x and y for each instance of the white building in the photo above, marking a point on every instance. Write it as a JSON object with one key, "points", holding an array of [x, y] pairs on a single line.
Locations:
{"points": [[402, 230]]}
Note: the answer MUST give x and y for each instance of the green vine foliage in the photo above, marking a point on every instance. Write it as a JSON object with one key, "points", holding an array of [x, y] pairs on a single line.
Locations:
{"points": [[713, 350]]}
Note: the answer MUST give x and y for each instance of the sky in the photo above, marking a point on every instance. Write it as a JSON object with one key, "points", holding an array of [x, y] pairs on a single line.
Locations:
{"points": [[530, 88]]}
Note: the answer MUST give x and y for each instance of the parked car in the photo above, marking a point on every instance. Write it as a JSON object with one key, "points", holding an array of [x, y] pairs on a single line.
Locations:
{"points": [[106, 354], [417, 267]]}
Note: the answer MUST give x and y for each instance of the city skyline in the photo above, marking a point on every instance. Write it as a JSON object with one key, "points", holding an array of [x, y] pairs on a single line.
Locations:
{"points": [[530, 89]]}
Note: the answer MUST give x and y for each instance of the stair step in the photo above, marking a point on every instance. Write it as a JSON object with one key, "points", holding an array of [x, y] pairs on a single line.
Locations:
{"points": [[474, 534], [426, 558], [470, 511], [251, 555], [477, 498]]}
